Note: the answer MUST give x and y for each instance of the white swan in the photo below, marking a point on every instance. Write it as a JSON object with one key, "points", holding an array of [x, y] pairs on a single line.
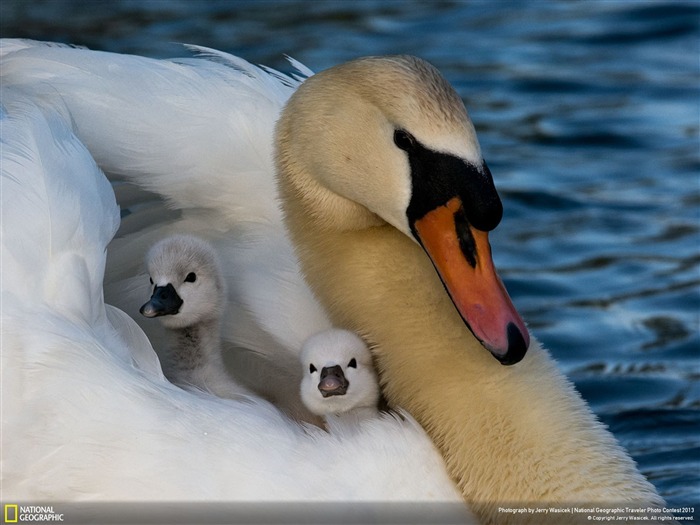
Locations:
{"points": [[189, 296], [373, 156], [87, 414], [338, 376]]}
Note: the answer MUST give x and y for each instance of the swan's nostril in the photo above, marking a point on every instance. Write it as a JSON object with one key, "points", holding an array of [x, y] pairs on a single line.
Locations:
{"points": [[466, 240]]}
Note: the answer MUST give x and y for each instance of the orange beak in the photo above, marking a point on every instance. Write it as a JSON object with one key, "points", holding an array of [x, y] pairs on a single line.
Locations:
{"points": [[462, 256]]}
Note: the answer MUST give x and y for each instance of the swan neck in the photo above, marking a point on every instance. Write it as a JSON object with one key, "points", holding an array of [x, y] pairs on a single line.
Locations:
{"points": [[193, 347], [480, 414]]}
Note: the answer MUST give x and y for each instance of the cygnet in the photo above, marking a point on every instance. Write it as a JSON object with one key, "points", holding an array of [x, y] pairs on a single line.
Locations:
{"points": [[339, 378], [189, 297]]}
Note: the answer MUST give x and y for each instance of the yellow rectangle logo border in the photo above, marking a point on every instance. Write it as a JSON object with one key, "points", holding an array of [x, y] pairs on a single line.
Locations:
{"points": [[7, 518]]}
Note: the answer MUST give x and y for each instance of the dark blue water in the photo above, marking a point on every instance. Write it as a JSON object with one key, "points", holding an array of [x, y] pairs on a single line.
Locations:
{"points": [[589, 117]]}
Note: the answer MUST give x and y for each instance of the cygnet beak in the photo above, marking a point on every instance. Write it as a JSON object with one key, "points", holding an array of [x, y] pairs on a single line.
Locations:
{"points": [[333, 381], [164, 301]]}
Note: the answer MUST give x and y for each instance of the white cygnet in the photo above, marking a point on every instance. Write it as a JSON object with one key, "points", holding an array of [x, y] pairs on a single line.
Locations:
{"points": [[189, 297], [338, 376]]}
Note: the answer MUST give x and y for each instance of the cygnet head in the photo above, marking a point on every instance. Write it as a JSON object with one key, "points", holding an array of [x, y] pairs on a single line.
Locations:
{"points": [[338, 374], [188, 287]]}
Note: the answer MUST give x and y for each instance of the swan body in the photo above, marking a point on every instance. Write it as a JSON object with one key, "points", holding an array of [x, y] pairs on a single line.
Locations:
{"points": [[189, 296], [382, 183], [338, 376], [87, 413]]}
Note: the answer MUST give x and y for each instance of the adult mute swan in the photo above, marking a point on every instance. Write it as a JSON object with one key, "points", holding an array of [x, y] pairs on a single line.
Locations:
{"points": [[389, 207], [87, 413], [388, 202]]}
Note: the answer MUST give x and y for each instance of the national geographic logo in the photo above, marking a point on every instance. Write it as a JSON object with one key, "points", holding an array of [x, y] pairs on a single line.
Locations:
{"points": [[11, 513], [30, 514]]}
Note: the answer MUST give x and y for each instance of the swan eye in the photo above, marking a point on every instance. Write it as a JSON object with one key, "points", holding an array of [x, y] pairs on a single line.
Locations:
{"points": [[191, 277], [150, 279], [312, 368], [404, 140], [352, 363]]}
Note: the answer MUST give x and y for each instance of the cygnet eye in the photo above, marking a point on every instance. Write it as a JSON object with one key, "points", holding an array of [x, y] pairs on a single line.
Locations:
{"points": [[312, 368], [191, 277], [352, 363], [151, 279], [404, 140]]}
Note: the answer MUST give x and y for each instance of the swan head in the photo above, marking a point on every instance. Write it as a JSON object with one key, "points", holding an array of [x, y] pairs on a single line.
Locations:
{"points": [[188, 286], [338, 374], [387, 140]]}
